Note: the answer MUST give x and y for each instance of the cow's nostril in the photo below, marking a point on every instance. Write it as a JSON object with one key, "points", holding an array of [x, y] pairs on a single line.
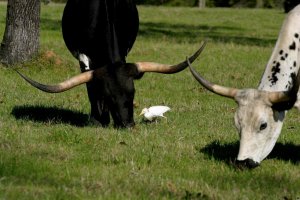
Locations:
{"points": [[247, 163]]}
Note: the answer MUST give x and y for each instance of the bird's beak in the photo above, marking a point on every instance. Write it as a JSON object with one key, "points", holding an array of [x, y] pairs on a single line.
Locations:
{"points": [[143, 112]]}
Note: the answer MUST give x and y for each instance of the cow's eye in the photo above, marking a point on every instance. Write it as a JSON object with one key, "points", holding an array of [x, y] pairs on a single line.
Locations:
{"points": [[263, 126]]}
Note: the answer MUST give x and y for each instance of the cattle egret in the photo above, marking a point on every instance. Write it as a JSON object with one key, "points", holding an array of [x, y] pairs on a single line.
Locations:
{"points": [[154, 112]]}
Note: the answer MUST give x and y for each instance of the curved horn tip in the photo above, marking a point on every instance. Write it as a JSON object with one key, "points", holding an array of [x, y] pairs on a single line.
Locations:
{"points": [[198, 52], [168, 69], [63, 86], [217, 89]]}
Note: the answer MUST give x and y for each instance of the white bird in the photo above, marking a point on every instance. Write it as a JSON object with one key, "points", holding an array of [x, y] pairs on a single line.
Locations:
{"points": [[154, 112]]}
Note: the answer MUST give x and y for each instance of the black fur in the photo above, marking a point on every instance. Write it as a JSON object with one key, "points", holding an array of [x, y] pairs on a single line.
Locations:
{"points": [[275, 70], [293, 46], [292, 89], [105, 31], [280, 52]]}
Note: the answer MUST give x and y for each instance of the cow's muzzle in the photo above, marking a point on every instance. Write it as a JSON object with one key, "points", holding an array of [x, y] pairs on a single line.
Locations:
{"points": [[247, 163]]}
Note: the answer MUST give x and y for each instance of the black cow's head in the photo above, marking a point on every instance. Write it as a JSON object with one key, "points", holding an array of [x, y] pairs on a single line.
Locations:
{"points": [[111, 88]]}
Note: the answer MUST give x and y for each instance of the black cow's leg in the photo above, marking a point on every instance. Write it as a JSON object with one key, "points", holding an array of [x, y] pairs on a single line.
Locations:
{"points": [[99, 111]]}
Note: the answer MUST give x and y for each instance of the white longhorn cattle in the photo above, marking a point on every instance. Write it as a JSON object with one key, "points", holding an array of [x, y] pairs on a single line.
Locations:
{"points": [[261, 111]]}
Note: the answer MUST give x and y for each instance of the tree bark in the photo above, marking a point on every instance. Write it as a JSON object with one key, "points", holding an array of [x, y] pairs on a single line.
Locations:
{"points": [[21, 37], [201, 3], [259, 3]]}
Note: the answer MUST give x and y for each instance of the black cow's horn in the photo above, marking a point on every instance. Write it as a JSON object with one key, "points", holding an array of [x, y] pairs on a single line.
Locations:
{"points": [[88, 75], [63, 86], [168, 69]]}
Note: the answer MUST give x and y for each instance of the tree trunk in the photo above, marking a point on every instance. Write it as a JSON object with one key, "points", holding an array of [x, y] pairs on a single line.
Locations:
{"points": [[21, 36], [259, 3], [201, 3]]}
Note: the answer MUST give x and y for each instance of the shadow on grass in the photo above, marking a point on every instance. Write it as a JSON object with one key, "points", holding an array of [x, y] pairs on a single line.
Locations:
{"points": [[227, 152], [286, 152], [51, 115], [190, 33], [221, 152], [184, 32]]}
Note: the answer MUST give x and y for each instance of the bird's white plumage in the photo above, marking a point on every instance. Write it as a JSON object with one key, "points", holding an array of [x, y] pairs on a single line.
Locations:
{"points": [[153, 112]]}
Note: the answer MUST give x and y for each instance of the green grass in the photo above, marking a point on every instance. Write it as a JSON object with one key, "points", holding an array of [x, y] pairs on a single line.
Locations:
{"points": [[47, 150]]}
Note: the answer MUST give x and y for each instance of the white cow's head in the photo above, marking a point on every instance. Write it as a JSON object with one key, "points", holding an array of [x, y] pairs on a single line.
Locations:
{"points": [[258, 118], [259, 122], [261, 111]]}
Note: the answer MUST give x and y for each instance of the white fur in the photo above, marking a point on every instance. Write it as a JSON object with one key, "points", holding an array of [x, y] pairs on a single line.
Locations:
{"points": [[85, 60], [256, 144]]}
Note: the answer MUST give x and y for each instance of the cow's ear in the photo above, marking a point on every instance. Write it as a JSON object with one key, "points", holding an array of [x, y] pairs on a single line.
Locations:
{"points": [[133, 71]]}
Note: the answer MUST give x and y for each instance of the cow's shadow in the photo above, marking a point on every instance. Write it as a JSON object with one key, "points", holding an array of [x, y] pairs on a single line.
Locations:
{"points": [[52, 115], [227, 152]]}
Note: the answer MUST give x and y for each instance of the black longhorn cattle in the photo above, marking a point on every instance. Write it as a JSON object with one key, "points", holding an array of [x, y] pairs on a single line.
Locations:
{"points": [[100, 33]]}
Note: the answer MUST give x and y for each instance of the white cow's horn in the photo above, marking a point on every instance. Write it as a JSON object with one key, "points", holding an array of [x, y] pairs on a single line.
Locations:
{"points": [[218, 89], [277, 97]]}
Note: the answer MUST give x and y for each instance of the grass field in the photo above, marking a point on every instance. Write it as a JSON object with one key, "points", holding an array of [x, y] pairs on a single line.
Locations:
{"points": [[49, 151]]}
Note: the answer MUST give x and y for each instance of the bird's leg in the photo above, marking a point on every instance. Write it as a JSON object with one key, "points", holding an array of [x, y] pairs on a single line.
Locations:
{"points": [[165, 118]]}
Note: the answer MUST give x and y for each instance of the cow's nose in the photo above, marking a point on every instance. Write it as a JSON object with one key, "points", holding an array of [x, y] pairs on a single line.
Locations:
{"points": [[247, 163]]}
